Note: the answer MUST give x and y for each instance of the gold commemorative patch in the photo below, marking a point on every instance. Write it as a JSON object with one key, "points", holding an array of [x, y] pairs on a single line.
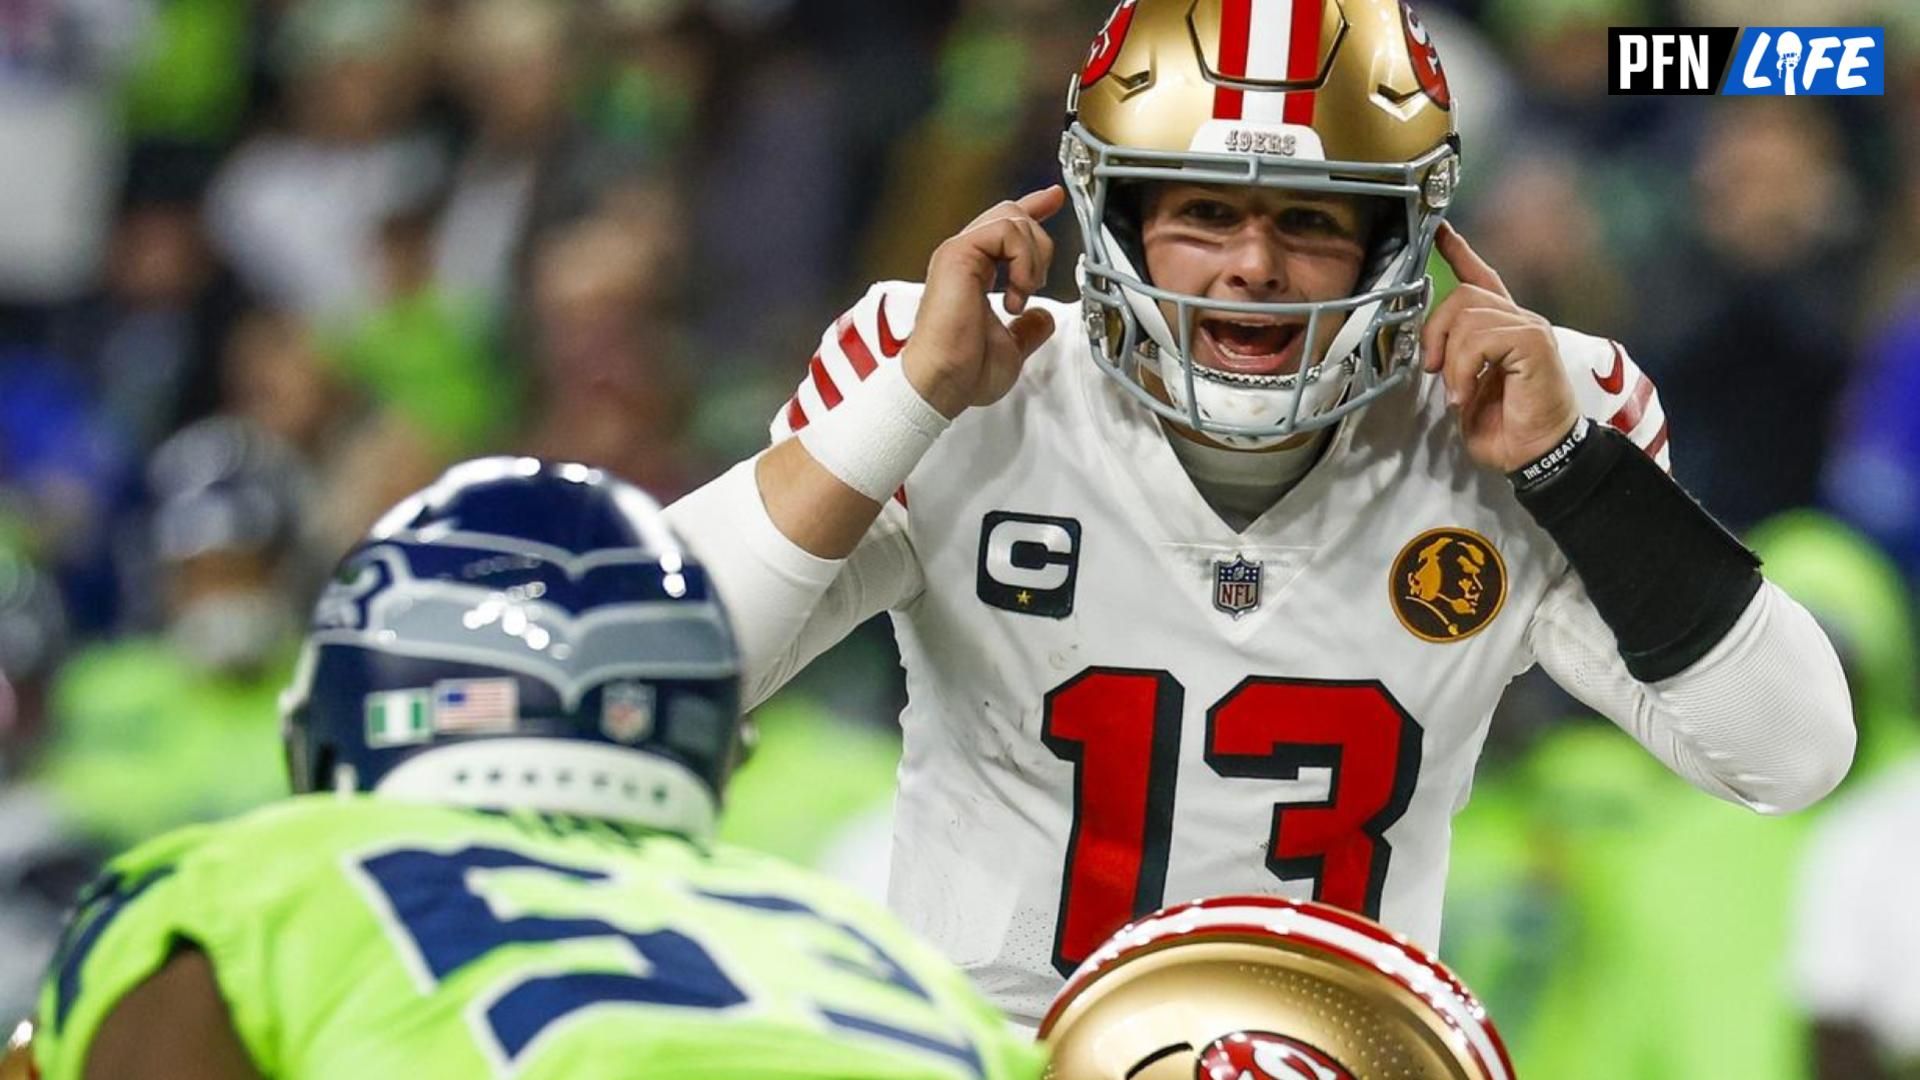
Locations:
{"points": [[1447, 584]]}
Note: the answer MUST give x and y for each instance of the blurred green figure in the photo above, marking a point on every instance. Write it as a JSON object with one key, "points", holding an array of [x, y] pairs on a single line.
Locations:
{"points": [[189, 72], [425, 351], [1616, 927], [150, 732], [817, 791]]}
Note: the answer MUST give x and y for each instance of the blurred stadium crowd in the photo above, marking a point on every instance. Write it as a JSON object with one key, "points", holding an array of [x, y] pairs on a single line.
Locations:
{"points": [[268, 265]]}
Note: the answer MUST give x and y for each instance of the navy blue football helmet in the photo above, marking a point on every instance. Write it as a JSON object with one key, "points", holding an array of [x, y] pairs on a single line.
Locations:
{"points": [[522, 635]]}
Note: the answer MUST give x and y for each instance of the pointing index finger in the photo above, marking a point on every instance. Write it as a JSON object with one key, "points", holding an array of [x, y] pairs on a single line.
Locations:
{"points": [[1467, 264], [1043, 204]]}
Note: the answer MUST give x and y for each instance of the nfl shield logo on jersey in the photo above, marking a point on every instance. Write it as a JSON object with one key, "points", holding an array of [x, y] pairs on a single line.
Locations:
{"points": [[1236, 586]]}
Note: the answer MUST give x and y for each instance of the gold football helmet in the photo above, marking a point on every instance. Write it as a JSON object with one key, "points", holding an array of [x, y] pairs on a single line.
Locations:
{"points": [[1341, 96], [1260, 988], [17, 1061]]}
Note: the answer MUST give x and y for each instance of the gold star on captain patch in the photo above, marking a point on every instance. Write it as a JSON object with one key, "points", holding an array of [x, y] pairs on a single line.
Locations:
{"points": [[1023, 598]]}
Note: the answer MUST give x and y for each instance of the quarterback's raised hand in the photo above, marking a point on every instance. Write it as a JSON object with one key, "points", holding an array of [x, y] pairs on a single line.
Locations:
{"points": [[1500, 365], [961, 354], [824, 487]]}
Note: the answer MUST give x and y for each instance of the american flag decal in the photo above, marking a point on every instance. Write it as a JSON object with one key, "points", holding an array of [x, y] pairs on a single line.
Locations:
{"points": [[475, 706]]}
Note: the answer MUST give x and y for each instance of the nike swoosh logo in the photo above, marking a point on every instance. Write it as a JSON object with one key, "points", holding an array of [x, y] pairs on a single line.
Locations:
{"points": [[1613, 380], [890, 346]]}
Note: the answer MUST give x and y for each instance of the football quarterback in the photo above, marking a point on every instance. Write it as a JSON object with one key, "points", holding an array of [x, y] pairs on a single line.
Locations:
{"points": [[540, 690], [1261, 988], [1209, 582]]}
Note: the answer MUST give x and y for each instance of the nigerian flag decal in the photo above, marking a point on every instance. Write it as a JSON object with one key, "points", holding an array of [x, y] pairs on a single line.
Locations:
{"points": [[398, 718]]}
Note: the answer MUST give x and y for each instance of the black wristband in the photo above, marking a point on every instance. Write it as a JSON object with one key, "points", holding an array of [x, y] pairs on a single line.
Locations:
{"points": [[1667, 578], [1549, 464]]}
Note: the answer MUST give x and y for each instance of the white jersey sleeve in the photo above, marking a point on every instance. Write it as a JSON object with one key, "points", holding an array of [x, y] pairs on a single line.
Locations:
{"points": [[788, 606], [1764, 718], [1611, 389]]}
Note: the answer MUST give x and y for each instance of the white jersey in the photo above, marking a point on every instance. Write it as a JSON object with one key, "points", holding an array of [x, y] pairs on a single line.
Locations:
{"points": [[1855, 943], [1118, 702]]}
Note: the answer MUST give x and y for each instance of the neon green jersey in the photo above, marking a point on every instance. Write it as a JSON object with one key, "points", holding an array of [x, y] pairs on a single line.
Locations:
{"points": [[370, 939]]}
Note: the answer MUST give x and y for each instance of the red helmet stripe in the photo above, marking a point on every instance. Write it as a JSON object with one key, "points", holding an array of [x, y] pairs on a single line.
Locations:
{"points": [[1303, 58], [1236, 29], [1269, 41]]}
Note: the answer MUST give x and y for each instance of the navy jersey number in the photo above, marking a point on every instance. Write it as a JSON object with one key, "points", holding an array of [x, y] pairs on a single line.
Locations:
{"points": [[452, 926], [879, 967], [97, 908], [433, 899]]}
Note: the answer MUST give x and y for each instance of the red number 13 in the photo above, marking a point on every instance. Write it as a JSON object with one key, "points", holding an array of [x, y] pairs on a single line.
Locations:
{"points": [[1120, 728]]}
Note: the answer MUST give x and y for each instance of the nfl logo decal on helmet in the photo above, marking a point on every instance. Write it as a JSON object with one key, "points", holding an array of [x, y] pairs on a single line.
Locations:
{"points": [[626, 711]]}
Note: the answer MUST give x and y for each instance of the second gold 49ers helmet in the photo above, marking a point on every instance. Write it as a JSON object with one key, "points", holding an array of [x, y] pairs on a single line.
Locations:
{"points": [[1261, 988], [16, 1062], [1341, 96]]}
